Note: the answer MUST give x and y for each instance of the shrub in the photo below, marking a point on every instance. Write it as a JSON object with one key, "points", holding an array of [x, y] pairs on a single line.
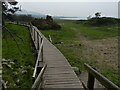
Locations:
{"points": [[46, 24], [104, 21]]}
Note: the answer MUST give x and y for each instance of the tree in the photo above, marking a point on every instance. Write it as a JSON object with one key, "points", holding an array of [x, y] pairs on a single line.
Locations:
{"points": [[49, 18], [98, 14], [8, 7]]}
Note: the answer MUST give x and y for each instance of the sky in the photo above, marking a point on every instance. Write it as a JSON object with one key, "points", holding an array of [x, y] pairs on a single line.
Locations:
{"points": [[73, 8], [68, 0]]}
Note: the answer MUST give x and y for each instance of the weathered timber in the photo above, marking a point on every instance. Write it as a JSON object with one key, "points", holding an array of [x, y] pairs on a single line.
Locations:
{"points": [[38, 80], [103, 80]]}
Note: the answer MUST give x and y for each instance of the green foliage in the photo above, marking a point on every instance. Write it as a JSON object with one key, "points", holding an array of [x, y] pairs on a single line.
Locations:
{"points": [[103, 21], [112, 74], [24, 61], [19, 18], [98, 14], [46, 24], [8, 7]]}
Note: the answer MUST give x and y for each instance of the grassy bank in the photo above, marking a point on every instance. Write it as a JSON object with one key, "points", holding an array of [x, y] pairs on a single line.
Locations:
{"points": [[18, 59], [77, 40]]}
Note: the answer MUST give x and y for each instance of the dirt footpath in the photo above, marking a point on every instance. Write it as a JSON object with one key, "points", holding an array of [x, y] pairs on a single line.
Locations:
{"points": [[101, 53]]}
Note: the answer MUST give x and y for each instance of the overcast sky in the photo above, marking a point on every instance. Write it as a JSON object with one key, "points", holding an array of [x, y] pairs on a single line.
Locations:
{"points": [[72, 8]]}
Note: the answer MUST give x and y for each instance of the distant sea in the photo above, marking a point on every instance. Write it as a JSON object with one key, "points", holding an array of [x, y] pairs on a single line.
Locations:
{"points": [[74, 18]]}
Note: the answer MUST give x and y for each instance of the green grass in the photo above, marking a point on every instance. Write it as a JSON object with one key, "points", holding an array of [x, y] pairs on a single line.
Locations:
{"points": [[0, 43], [69, 35], [112, 74], [64, 34], [21, 54], [67, 32], [73, 55], [97, 32]]}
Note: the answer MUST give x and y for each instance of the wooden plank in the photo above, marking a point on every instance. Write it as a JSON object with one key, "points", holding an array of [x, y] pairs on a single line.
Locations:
{"points": [[60, 83], [38, 41], [58, 72], [60, 80], [63, 86]]}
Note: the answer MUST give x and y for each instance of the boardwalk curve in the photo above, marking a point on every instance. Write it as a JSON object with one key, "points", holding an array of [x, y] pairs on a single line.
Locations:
{"points": [[58, 73]]}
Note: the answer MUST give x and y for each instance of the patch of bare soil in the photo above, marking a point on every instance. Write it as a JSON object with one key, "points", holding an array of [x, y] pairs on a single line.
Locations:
{"points": [[101, 53]]}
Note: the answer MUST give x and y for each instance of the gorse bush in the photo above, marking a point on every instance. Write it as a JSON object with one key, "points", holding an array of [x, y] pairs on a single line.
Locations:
{"points": [[46, 24], [103, 21]]}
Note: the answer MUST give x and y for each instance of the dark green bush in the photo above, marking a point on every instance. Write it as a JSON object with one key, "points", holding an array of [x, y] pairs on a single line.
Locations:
{"points": [[103, 21], [46, 24]]}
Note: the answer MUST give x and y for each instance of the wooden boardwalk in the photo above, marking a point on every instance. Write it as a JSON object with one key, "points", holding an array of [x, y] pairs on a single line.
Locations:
{"points": [[58, 73]]}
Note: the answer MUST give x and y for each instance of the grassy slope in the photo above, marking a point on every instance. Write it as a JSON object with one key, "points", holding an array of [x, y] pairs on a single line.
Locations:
{"points": [[98, 32], [69, 35], [23, 61]]}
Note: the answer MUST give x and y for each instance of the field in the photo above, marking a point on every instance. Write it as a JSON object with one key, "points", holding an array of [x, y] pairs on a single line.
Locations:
{"points": [[18, 59], [82, 43]]}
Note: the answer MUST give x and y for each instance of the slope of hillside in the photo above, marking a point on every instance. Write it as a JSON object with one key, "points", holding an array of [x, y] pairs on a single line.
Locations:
{"points": [[34, 14], [18, 58]]}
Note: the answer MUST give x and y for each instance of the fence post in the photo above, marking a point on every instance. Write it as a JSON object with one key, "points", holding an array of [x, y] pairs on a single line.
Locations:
{"points": [[38, 40], [31, 30], [91, 81], [42, 53], [34, 35]]}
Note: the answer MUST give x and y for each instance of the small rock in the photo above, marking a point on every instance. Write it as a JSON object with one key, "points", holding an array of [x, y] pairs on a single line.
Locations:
{"points": [[15, 74], [76, 70], [4, 60], [21, 66], [105, 53], [24, 71], [12, 63], [61, 42], [14, 84], [17, 82], [80, 44], [6, 65], [9, 66]]}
